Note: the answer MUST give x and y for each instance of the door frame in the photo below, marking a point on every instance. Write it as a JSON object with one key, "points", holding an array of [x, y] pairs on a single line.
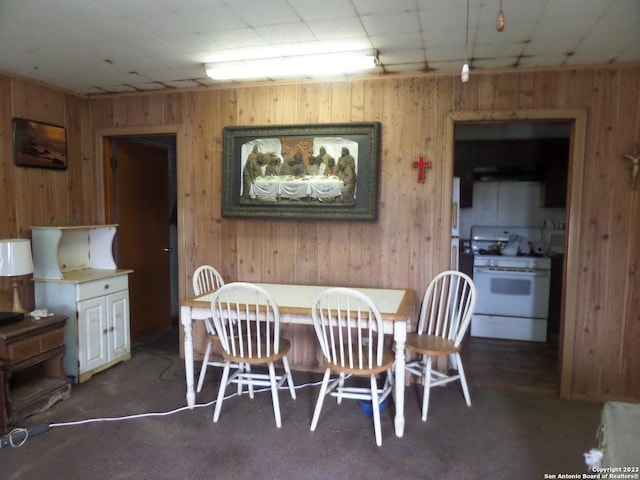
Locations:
{"points": [[578, 119], [102, 134]]}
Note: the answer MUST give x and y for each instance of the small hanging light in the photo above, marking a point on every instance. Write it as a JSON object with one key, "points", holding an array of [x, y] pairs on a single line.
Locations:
{"points": [[464, 75], [500, 19]]}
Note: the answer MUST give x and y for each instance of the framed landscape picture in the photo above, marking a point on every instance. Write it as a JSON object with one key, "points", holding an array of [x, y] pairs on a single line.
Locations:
{"points": [[39, 145], [326, 171]]}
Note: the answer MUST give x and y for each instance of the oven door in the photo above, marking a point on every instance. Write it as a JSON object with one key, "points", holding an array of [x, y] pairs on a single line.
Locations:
{"points": [[512, 292]]}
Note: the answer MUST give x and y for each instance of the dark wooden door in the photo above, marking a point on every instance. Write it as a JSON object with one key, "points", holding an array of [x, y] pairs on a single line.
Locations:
{"points": [[140, 203]]}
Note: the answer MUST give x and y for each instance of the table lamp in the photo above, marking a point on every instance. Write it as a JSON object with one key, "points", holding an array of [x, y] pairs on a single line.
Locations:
{"points": [[15, 260]]}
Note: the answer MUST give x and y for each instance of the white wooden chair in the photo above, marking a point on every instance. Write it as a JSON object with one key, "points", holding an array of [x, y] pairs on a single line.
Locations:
{"points": [[445, 314], [207, 279], [247, 321], [349, 328]]}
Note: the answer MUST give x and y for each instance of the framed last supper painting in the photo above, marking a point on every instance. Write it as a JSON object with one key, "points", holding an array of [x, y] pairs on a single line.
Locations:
{"points": [[325, 171]]}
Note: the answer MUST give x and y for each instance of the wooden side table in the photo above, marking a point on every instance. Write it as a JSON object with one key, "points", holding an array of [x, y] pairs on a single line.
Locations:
{"points": [[32, 351]]}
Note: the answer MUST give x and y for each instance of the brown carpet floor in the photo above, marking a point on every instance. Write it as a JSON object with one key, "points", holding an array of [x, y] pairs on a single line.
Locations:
{"points": [[505, 434]]}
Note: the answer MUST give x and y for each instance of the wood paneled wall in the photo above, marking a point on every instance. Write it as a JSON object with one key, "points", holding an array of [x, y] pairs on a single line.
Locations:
{"points": [[410, 241], [33, 196]]}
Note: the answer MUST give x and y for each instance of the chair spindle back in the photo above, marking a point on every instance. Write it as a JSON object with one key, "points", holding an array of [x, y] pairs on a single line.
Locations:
{"points": [[247, 320], [349, 328], [447, 306]]}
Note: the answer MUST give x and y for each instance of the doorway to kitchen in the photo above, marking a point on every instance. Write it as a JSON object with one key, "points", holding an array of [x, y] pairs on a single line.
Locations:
{"points": [[500, 172]]}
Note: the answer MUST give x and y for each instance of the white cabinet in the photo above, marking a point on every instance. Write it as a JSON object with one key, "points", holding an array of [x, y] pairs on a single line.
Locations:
{"points": [[103, 326], [75, 275]]}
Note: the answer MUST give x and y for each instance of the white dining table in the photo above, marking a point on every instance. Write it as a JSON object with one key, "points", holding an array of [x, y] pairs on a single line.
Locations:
{"points": [[294, 304]]}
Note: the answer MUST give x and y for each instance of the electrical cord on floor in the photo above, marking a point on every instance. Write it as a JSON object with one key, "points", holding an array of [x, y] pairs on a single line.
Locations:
{"points": [[178, 375], [18, 436]]}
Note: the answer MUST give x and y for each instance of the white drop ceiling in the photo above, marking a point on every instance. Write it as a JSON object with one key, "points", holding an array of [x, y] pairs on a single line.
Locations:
{"points": [[105, 46]]}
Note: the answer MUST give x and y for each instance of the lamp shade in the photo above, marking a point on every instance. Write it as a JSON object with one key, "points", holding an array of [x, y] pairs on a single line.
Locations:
{"points": [[15, 257]]}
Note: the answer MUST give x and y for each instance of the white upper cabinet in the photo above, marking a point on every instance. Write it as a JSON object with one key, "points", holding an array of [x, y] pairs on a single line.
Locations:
{"points": [[60, 250]]}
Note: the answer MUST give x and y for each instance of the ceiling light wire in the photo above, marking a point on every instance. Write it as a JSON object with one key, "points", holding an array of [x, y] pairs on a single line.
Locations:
{"points": [[464, 75]]}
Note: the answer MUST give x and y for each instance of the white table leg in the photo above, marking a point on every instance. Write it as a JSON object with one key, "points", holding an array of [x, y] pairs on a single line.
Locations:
{"points": [[187, 325], [399, 337]]}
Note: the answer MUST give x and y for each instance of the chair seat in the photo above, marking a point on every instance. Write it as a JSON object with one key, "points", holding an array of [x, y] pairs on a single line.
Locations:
{"points": [[387, 360], [430, 345], [284, 347]]}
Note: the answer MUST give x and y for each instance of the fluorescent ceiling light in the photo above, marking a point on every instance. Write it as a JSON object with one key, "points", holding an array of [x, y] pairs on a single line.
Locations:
{"points": [[325, 64]]}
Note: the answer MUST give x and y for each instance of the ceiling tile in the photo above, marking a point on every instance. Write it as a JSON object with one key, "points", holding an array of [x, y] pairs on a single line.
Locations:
{"points": [[348, 27], [402, 56], [397, 41], [388, 23], [368, 7], [271, 12], [285, 33], [312, 10]]}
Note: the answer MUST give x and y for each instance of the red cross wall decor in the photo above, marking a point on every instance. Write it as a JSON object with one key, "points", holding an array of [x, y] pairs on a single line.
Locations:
{"points": [[421, 165]]}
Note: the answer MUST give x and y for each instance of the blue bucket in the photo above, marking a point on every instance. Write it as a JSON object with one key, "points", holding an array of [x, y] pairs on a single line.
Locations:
{"points": [[367, 408]]}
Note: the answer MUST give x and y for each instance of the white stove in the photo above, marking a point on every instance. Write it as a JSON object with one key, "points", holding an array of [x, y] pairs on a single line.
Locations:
{"points": [[510, 262], [512, 277]]}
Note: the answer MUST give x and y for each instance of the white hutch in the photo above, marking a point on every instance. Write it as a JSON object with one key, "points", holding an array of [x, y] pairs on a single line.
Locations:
{"points": [[75, 275]]}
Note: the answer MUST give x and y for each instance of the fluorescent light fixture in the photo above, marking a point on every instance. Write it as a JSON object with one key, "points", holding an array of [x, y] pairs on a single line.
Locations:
{"points": [[315, 65]]}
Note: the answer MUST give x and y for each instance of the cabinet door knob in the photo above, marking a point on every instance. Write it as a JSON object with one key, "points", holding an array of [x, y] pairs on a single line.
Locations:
{"points": [[106, 286], [168, 249]]}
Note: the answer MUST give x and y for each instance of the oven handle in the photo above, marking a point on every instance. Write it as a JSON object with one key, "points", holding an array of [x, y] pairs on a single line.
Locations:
{"points": [[536, 272]]}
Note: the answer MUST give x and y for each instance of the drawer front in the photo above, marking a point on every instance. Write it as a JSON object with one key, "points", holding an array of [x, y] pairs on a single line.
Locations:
{"points": [[51, 340], [24, 349], [34, 346], [104, 286]]}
